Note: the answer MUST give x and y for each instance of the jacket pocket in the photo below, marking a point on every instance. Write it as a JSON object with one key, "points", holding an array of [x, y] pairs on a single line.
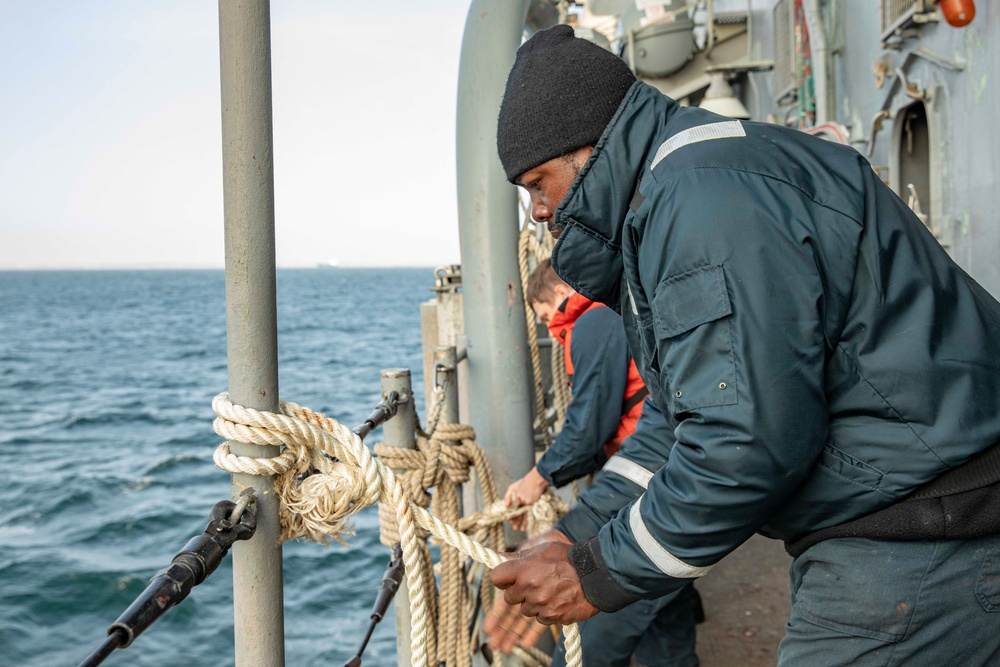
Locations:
{"points": [[850, 469], [693, 326]]}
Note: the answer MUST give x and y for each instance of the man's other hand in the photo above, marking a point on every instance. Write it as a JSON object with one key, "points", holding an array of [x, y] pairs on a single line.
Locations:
{"points": [[523, 492], [506, 627]]}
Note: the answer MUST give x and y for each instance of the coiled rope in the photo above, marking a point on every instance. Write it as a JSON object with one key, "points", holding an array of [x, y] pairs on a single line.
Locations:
{"points": [[318, 508]]}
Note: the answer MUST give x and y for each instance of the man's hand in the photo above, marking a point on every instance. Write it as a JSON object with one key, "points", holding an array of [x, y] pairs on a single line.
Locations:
{"points": [[544, 583], [525, 491], [505, 625], [551, 535]]}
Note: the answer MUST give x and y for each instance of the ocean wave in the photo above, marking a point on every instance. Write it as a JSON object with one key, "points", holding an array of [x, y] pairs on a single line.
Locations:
{"points": [[106, 471], [138, 484], [176, 462], [117, 416]]}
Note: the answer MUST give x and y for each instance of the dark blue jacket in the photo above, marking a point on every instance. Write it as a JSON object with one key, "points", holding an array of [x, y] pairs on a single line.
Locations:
{"points": [[599, 352], [816, 353]]}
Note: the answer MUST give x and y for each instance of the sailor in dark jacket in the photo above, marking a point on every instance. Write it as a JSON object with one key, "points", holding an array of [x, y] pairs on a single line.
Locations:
{"points": [[607, 388], [831, 377]]}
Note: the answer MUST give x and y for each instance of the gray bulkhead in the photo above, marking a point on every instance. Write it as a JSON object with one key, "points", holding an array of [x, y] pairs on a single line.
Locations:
{"points": [[902, 86]]}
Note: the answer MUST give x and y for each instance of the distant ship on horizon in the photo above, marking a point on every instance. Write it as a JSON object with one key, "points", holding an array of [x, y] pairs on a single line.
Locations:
{"points": [[329, 264]]}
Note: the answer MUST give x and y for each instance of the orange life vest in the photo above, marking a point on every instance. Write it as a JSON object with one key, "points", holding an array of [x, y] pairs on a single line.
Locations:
{"points": [[561, 328]]}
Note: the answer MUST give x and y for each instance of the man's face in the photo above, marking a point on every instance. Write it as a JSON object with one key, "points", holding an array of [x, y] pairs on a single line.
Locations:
{"points": [[549, 182]]}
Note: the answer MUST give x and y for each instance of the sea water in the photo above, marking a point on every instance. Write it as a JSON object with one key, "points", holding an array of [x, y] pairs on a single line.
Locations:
{"points": [[106, 382]]}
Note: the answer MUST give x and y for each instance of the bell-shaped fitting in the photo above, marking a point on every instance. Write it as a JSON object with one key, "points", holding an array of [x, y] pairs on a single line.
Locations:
{"points": [[720, 99]]}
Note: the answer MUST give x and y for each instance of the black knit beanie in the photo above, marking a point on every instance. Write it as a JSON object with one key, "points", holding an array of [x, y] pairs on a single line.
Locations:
{"points": [[561, 94]]}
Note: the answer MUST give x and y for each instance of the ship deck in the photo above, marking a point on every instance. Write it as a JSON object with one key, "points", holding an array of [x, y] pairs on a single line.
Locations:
{"points": [[746, 599]]}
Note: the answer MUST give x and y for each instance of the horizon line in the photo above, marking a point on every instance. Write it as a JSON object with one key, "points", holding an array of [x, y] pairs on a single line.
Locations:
{"points": [[202, 267]]}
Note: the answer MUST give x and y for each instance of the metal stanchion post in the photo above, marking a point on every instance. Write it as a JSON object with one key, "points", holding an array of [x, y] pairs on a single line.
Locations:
{"points": [[446, 376], [399, 431], [251, 311]]}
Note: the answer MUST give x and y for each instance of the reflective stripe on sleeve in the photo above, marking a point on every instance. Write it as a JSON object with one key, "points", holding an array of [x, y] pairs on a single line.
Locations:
{"points": [[660, 557], [630, 470], [631, 299], [726, 130]]}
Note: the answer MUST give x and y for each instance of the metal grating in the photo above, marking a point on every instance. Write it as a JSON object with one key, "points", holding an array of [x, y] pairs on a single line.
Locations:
{"points": [[785, 80], [897, 14]]}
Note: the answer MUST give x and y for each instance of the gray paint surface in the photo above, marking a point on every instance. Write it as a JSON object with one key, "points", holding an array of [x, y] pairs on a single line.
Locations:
{"points": [[953, 69], [495, 330], [251, 312]]}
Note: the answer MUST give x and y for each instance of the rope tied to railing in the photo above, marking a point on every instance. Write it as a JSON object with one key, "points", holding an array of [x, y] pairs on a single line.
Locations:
{"points": [[355, 479]]}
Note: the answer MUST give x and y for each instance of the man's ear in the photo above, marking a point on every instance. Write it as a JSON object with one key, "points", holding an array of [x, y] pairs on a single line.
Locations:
{"points": [[562, 291]]}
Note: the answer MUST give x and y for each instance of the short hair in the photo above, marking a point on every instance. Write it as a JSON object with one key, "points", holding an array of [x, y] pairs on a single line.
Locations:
{"points": [[542, 283]]}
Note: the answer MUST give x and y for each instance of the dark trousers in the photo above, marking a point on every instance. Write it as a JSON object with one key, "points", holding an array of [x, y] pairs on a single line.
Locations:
{"points": [[867, 603]]}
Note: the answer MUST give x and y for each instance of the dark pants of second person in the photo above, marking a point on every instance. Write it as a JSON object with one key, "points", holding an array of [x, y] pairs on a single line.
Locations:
{"points": [[660, 633]]}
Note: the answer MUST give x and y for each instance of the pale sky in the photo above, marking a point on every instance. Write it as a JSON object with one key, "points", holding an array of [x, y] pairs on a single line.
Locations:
{"points": [[110, 132]]}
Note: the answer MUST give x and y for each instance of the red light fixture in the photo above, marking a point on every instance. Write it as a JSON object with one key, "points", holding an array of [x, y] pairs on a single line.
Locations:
{"points": [[958, 13]]}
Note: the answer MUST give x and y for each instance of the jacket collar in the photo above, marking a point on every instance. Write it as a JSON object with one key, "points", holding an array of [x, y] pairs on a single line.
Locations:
{"points": [[587, 254], [568, 312]]}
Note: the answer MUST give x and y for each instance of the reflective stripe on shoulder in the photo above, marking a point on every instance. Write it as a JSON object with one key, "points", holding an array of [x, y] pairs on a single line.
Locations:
{"points": [[630, 470], [660, 557], [725, 130]]}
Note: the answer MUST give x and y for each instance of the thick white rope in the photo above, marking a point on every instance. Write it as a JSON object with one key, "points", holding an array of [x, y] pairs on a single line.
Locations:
{"points": [[303, 432]]}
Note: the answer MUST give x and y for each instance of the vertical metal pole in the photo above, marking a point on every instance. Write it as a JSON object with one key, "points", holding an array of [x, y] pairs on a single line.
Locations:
{"points": [[399, 432], [429, 340], [251, 312], [446, 375], [821, 61], [500, 385], [462, 377], [445, 370]]}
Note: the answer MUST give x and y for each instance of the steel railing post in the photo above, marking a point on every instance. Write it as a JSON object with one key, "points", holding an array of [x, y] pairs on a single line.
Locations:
{"points": [[251, 311]]}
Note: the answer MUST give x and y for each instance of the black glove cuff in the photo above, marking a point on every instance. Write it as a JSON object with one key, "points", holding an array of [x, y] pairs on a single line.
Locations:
{"points": [[600, 588]]}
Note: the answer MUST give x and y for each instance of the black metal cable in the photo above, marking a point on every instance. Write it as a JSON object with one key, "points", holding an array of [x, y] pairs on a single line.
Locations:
{"points": [[228, 523], [387, 591], [385, 409]]}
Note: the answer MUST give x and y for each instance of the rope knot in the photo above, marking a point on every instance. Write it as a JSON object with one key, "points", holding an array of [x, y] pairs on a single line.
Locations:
{"points": [[349, 478], [317, 506]]}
